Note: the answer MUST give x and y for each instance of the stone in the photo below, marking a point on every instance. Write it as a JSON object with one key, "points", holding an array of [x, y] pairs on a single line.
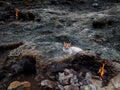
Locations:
{"points": [[96, 82], [26, 85], [89, 87], [30, 16], [48, 83], [116, 81], [13, 85], [26, 65], [16, 85], [65, 79], [22, 16], [71, 87]]}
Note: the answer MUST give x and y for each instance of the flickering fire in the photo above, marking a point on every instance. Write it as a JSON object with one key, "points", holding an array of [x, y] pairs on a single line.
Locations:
{"points": [[102, 70], [16, 13]]}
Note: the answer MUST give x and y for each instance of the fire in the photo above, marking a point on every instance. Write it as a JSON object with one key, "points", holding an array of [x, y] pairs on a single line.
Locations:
{"points": [[16, 13], [102, 70]]}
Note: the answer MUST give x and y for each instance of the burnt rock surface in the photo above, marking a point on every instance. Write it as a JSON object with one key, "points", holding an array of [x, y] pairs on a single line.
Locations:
{"points": [[92, 28]]}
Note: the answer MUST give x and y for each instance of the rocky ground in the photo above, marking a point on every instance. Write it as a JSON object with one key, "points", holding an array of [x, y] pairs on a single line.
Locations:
{"points": [[94, 28]]}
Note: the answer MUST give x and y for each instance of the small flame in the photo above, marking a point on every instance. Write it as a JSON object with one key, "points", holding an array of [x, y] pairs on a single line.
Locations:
{"points": [[102, 70], [16, 13]]}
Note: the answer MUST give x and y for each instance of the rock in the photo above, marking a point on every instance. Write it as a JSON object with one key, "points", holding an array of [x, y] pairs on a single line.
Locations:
{"points": [[16, 68], [102, 21], [74, 80], [114, 1], [13, 85], [31, 16], [5, 16], [98, 24], [96, 82], [10, 46], [16, 85], [116, 81], [38, 19], [71, 87], [48, 83], [69, 2], [26, 65], [60, 87], [114, 84], [89, 87], [64, 78], [68, 77], [22, 16], [96, 5], [26, 85]]}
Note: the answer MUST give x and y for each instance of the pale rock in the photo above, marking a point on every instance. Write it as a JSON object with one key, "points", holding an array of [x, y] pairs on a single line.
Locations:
{"points": [[90, 87], [64, 79], [71, 87], [13, 85], [48, 83], [16, 85]]}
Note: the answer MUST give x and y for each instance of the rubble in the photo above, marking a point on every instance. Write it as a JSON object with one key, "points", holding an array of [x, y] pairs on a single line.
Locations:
{"points": [[76, 76]]}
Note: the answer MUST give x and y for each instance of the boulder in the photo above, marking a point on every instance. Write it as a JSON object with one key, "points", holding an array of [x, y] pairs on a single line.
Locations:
{"points": [[16, 85], [26, 65], [71, 87], [48, 83]]}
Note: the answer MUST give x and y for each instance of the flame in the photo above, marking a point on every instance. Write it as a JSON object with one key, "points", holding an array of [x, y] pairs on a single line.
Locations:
{"points": [[16, 13], [102, 70]]}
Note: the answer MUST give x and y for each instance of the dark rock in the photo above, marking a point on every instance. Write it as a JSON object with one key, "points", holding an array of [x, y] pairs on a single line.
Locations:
{"points": [[17, 68], [27, 66], [68, 2], [105, 21], [98, 24], [10, 46], [30, 16], [2, 17], [57, 67], [38, 19], [2, 75], [22, 16], [114, 1]]}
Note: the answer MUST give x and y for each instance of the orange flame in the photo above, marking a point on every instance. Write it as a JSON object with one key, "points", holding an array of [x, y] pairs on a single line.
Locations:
{"points": [[16, 13], [102, 70]]}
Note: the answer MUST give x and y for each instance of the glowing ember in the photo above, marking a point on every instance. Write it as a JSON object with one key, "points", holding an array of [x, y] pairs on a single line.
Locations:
{"points": [[16, 13], [102, 70]]}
